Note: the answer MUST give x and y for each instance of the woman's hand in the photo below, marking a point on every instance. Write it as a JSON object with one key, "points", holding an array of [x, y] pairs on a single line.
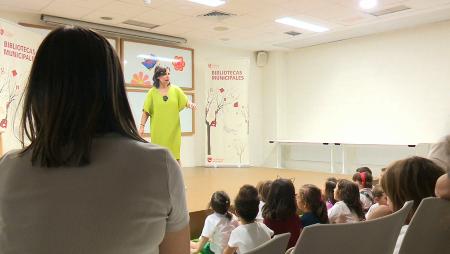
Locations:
{"points": [[141, 131], [191, 105]]}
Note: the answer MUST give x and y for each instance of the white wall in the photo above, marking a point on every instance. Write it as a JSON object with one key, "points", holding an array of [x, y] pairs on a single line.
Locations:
{"points": [[390, 88]]}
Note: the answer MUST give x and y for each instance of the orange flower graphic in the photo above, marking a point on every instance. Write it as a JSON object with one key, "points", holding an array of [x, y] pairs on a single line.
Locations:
{"points": [[179, 63], [139, 79]]}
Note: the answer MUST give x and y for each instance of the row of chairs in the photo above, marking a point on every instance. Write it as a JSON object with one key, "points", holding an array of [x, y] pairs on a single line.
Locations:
{"points": [[428, 232]]}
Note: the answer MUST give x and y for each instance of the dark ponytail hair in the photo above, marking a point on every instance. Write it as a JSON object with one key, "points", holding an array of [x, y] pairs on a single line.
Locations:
{"points": [[348, 192], [159, 71], [312, 198], [330, 185], [220, 203]]}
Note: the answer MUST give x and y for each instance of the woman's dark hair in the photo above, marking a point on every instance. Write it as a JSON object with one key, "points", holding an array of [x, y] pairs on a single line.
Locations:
{"points": [[247, 203], [263, 190], [364, 178], [220, 203], [348, 192], [75, 91], [413, 178], [329, 191], [281, 202], [159, 71], [312, 198], [364, 169]]}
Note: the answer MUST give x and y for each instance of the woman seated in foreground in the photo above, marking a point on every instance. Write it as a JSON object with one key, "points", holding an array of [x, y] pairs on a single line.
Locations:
{"points": [[87, 182]]}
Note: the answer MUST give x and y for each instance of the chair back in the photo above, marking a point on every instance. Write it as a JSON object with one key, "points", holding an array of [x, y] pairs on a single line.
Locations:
{"points": [[276, 245], [360, 237], [429, 229]]}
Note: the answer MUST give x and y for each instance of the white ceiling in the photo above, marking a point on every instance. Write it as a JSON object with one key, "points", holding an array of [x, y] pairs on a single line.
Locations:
{"points": [[253, 25]]}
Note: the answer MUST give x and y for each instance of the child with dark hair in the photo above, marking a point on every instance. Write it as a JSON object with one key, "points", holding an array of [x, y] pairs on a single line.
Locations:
{"points": [[409, 179], [379, 199], [250, 234], [217, 227], [348, 208], [330, 185], [309, 201], [280, 210], [364, 181], [364, 169], [263, 192]]}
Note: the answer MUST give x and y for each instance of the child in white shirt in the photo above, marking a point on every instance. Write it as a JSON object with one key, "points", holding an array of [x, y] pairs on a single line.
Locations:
{"points": [[218, 226], [263, 192], [348, 208], [379, 198], [250, 234]]}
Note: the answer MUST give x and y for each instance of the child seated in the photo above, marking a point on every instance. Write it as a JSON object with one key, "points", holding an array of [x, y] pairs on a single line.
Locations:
{"points": [[409, 179], [263, 192], [364, 181], [328, 196], [348, 208], [379, 198], [280, 211], [218, 226], [309, 201], [250, 234]]}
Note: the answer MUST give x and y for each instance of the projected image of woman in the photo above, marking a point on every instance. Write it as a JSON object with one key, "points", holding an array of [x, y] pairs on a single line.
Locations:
{"points": [[163, 103]]}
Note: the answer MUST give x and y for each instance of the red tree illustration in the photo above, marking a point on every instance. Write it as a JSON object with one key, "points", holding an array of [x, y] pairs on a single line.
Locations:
{"points": [[215, 103]]}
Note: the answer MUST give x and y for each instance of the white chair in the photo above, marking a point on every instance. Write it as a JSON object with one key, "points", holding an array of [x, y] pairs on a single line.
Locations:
{"points": [[429, 229], [276, 245], [368, 237]]}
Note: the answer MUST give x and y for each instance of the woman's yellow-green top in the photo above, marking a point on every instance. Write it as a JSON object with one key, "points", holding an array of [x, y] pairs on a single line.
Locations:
{"points": [[165, 128]]}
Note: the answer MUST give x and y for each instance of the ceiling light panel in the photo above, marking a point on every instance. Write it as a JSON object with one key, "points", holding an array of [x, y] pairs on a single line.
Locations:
{"points": [[302, 24], [211, 3]]}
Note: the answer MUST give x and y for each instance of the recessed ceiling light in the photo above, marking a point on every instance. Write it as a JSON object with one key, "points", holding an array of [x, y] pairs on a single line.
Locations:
{"points": [[368, 4], [212, 3], [106, 18], [302, 24], [220, 28]]}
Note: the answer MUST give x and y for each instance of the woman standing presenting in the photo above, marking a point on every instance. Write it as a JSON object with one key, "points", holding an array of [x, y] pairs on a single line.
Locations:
{"points": [[163, 103]]}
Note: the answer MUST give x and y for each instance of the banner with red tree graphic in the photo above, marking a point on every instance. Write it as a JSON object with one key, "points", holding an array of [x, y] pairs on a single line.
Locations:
{"points": [[18, 47], [226, 113]]}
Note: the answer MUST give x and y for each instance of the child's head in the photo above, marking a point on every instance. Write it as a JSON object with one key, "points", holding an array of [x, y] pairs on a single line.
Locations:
{"points": [[364, 169], [281, 202], [363, 179], [378, 195], [263, 190], [348, 192], [330, 185], [309, 199], [247, 203], [220, 203], [413, 178]]}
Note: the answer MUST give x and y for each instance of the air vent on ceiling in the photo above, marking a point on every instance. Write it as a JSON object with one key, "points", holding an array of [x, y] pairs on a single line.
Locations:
{"points": [[139, 24], [293, 33], [394, 9], [216, 15]]}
